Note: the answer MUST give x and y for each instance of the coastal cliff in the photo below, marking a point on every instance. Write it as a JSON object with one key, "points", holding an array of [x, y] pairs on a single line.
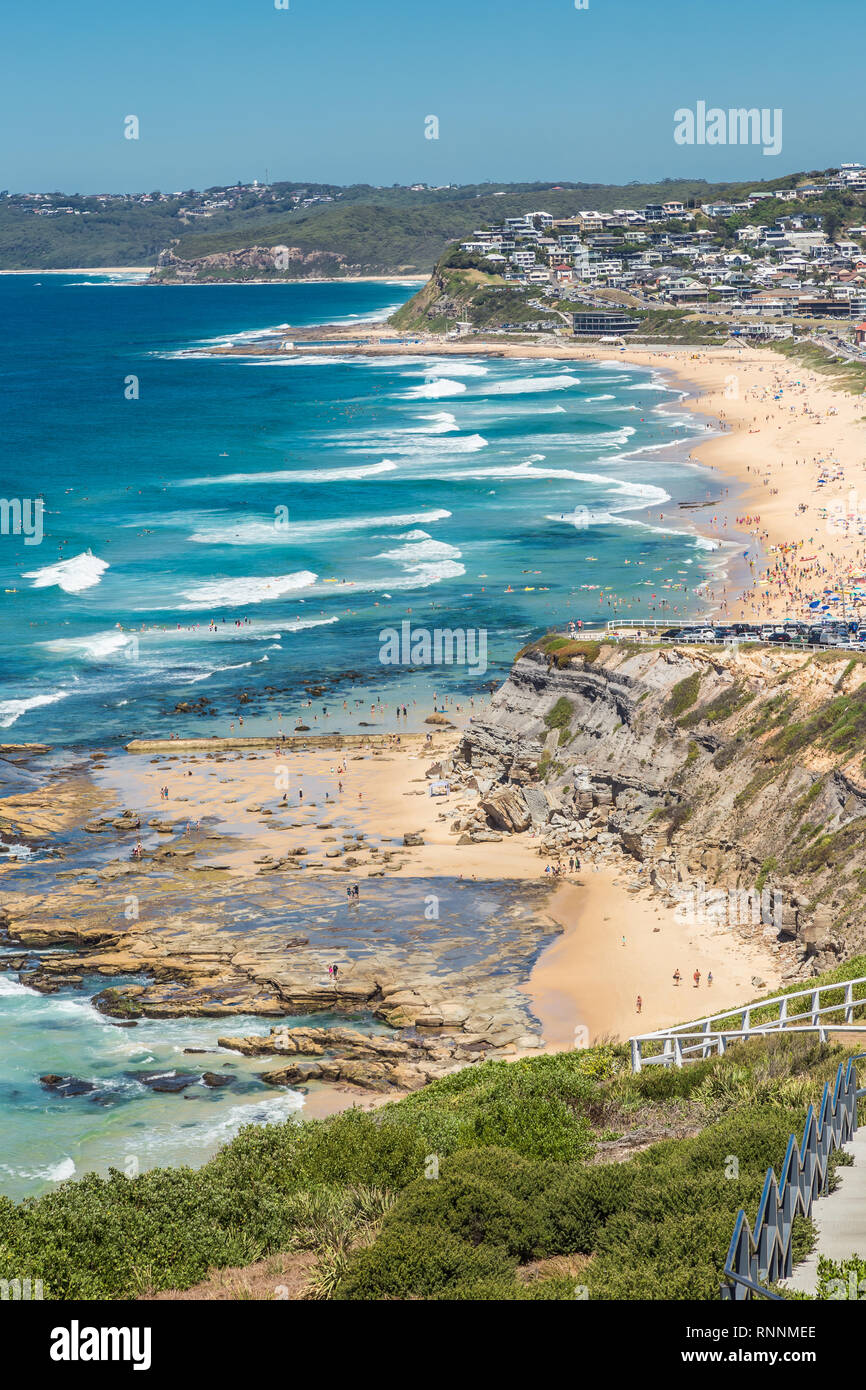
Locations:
{"points": [[249, 263], [735, 777]]}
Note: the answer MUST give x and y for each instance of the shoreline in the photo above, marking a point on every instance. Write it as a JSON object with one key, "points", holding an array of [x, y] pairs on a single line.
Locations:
{"points": [[584, 978], [619, 940], [770, 410], [564, 968], [395, 278]]}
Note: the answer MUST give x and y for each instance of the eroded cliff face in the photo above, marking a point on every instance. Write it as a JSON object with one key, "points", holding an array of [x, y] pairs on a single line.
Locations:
{"points": [[734, 776], [250, 263]]}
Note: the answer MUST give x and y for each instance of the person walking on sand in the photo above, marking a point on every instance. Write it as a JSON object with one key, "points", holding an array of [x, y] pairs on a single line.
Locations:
{"points": [[709, 979], [638, 1004], [697, 978], [677, 976]]}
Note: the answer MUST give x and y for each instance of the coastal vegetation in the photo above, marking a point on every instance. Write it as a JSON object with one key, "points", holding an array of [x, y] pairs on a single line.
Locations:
{"points": [[844, 375], [374, 230], [683, 695], [532, 1179], [465, 289], [560, 650]]}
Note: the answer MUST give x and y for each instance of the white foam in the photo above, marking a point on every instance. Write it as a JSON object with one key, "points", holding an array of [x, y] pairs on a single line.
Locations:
{"points": [[231, 593], [435, 390], [442, 422], [421, 550], [12, 710], [72, 576], [523, 385], [425, 562], [99, 646], [450, 365], [411, 442], [651, 494], [249, 335], [308, 475], [288, 360], [266, 533], [10, 987]]}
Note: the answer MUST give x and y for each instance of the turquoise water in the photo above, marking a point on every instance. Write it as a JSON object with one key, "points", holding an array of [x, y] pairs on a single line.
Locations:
{"points": [[247, 526], [113, 1118], [249, 522], [119, 1122]]}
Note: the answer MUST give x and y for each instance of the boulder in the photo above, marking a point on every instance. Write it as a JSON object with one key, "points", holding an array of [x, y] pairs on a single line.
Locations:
{"points": [[506, 810]]}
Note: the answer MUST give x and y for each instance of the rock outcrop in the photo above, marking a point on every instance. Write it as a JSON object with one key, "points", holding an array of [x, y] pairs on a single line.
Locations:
{"points": [[250, 263], [735, 778], [405, 1061]]}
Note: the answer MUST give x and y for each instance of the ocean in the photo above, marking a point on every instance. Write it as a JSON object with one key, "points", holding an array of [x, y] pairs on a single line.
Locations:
{"points": [[214, 525], [240, 535]]}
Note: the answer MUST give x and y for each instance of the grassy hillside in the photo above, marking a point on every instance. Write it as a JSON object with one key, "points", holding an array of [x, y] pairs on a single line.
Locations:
{"points": [[375, 229], [454, 293], [523, 1180]]}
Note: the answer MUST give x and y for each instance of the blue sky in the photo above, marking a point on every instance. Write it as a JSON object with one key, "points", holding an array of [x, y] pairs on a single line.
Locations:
{"points": [[338, 90]]}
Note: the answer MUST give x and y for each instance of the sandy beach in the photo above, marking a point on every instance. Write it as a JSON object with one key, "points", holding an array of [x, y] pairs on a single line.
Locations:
{"points": [[789, 448], [795, 449], [620, 940], [585, 979], [784, 429]]}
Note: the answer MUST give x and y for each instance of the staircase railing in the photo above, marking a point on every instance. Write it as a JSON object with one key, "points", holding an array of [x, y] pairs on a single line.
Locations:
{"points": [[763, 1255], [707, 1037]]}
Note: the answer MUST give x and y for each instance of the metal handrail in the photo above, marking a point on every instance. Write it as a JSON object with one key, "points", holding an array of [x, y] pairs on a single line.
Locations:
{"points": [[709, 1034], [766, 1252]]}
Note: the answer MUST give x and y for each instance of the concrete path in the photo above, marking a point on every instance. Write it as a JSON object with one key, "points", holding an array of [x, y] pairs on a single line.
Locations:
{"points": [[839, 1217]]}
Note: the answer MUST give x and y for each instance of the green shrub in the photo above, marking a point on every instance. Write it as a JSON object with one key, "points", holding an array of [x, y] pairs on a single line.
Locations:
{"points": [[561, 715], [578, 1202], [683, 695], [421, 1261], [478, 1211]]}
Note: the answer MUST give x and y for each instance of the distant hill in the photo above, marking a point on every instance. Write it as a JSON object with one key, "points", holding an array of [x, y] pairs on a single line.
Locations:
{"points": [[373, 230]]}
